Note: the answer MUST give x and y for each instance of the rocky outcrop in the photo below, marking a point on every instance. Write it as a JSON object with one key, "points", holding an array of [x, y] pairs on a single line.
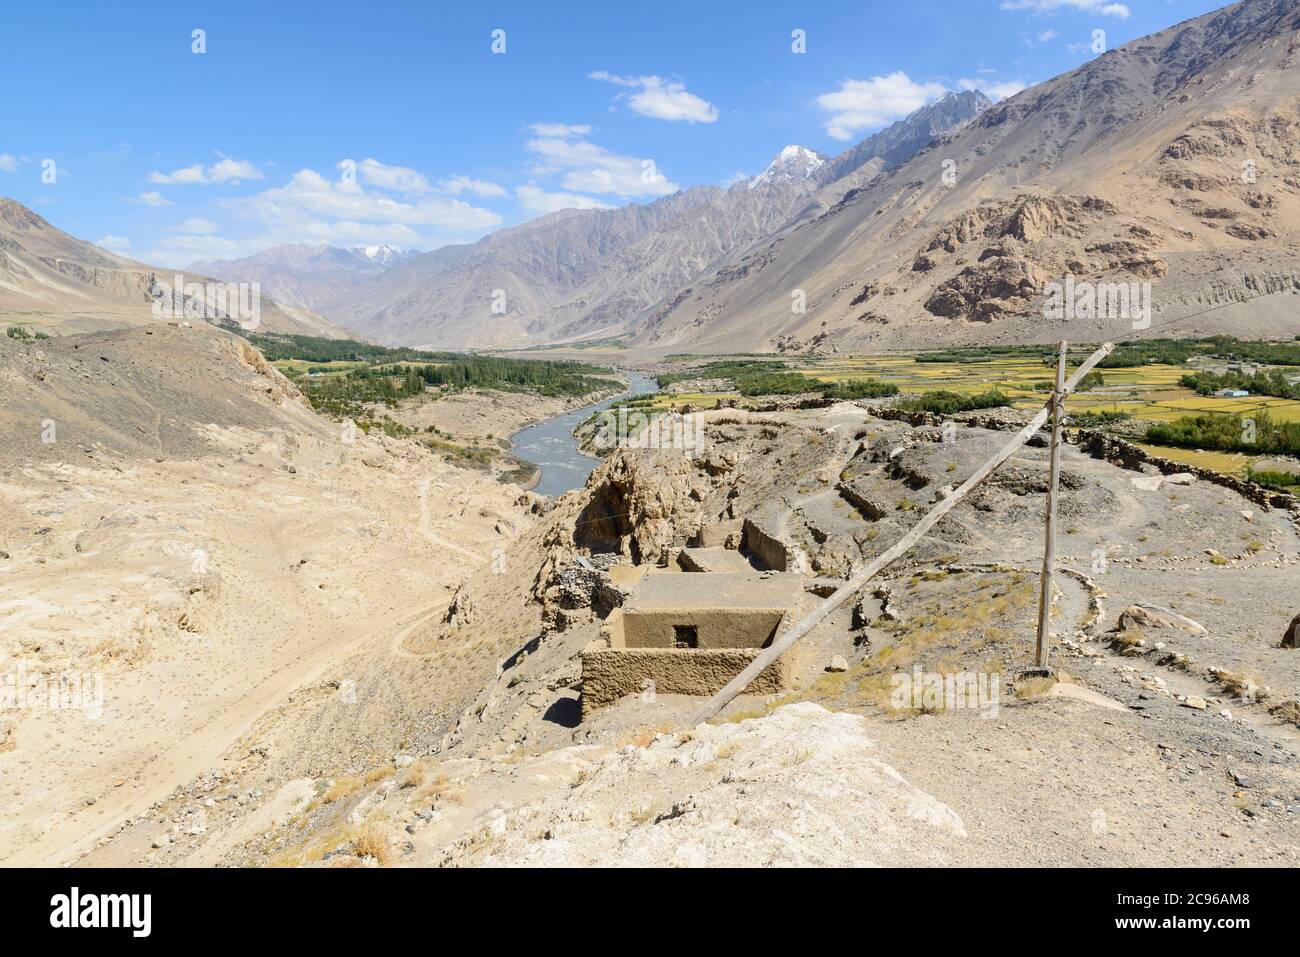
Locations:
{"points": [[279, 387], [1127, 455], [1291, 637], [1159, 617], [801, 786], [642, 503], [987, 289]]}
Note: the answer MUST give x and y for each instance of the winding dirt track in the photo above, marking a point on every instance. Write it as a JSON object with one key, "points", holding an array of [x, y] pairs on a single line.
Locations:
{"points": [[211, 724], [190, 757]]}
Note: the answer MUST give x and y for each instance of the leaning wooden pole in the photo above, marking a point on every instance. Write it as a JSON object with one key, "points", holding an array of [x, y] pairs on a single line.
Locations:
{"points": [[788, 639], [1049, 542]]}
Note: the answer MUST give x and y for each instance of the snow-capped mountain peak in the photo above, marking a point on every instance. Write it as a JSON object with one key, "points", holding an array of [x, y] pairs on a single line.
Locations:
{"points": [[792, 164], [383, 254]]}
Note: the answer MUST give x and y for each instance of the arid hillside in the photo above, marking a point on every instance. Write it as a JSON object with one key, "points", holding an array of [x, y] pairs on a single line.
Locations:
{"points": [[589, 274], [1169, 738], [51, 282], [1173, 160], [185, 547]]}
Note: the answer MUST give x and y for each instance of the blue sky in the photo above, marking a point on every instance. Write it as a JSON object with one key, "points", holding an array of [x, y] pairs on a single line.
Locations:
{"points": [[351, 124]]}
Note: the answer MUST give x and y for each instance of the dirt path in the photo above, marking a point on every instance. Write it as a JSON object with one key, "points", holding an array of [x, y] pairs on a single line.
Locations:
{"points": [[426, 527], [312, 568], [188, 757]]}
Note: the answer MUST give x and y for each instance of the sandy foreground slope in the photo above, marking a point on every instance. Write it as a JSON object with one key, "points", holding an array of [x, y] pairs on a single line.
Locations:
{"points": [[315, 653], [470, 745], [191, 546]]}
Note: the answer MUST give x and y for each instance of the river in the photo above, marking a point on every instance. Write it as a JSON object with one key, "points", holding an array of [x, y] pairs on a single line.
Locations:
{"points": [[552, 446]]}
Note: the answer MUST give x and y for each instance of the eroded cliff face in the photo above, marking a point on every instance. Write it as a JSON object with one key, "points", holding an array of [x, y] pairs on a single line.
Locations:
{"points": [[642, 503]]}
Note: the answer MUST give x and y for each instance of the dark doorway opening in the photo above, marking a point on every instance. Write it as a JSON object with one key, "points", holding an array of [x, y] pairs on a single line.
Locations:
{"points": [[686, 636]]}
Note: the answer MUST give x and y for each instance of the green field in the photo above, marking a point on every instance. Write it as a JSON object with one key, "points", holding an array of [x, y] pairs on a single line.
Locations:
{"points": [[296, 367], [1146, 392], [1149, 392]]}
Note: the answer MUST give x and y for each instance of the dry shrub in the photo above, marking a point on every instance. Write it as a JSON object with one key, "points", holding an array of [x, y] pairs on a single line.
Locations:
{"points": [[1287, 711], [340, 789], [1031, 689], [413, 777], [371, 840]]}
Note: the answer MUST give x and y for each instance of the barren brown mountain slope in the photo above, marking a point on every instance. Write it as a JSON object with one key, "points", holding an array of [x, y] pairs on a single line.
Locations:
{"points": [[183, 543], [1173, 160], [587, 274], [56, 283], [568, 274]]}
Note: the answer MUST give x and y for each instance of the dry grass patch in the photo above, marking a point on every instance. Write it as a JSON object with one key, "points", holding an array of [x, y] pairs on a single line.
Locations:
{"points": [[1239, 685], [439, 787], [1288, 710], [412, 778], [643, 737], [1129, 642], [371, 840], [340, 788], [1034, 689]]}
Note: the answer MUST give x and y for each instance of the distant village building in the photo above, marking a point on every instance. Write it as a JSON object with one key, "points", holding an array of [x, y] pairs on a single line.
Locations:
{"points": [[1232, 393]]}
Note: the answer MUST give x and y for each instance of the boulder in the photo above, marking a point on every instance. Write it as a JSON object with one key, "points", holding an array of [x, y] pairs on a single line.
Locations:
{"points": [[1291, 637], [1156, 616]]}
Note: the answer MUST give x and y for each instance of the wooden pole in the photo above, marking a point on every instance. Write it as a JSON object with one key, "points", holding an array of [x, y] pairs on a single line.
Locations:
{"points": [[1057, 403], [786, 641]]}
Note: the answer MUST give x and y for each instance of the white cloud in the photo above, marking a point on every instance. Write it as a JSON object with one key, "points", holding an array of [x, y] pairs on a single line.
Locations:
{"points": [[196, 224], [313, 209], [540, 201], [464, 184], [399, 179], [188, 175], [309, 192], [585, 167], [1046, 36], [860, 105], [117, 244], [8, 162], [232, 170], [226, 170], [150, 198], [661, 99], [178, 252], [1103, 7], [994, 89], [559, 129], [402, 179]]}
